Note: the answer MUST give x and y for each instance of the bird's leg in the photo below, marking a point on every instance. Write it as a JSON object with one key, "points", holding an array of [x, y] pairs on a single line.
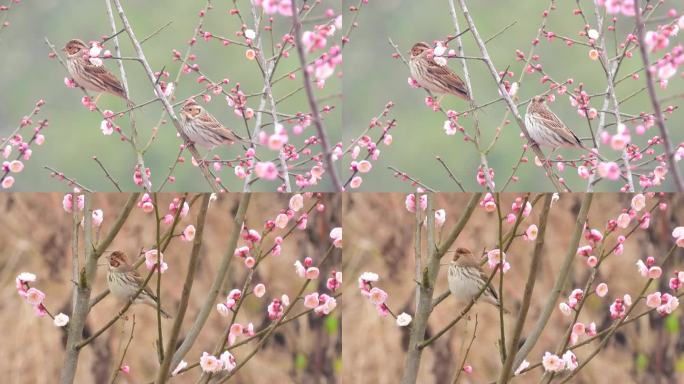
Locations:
{"points": [[97, 98]]}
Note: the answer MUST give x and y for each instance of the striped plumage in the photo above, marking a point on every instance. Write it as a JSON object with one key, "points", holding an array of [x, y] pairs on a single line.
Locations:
{"points": [[546, 129], [89, 76], [466, 279], [203, 129], [124, 281], [432, 76]]}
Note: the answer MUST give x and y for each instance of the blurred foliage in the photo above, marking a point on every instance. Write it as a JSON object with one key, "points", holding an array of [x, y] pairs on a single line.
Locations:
{"points": [[74, 136], [373, 77]]}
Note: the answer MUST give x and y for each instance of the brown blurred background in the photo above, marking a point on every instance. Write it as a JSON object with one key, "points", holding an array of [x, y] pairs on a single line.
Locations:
{"points": [[379, 238], [36, 237]]}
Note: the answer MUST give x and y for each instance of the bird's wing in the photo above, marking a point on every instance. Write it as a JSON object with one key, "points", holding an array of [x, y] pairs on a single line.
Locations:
{"points": [[140, 281], [552, 121], [489, 289], [447, 77], [105, 76], [216, 127]]}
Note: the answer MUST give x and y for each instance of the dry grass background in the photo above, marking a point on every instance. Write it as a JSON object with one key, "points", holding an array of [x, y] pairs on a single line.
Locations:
{"points": [[379, 237], [36, 237]]}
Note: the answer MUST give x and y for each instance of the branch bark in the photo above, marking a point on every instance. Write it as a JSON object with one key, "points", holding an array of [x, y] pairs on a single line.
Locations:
{"points": [[505, 373], [208, 305], [426, 286], [318, 122], [507, 98], [158, 91], [660, 120], [558, 285], [163, 372], [84, 287]]}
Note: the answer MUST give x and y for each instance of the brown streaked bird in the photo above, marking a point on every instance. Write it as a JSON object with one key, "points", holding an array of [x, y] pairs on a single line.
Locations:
{"points": [[432, 76], [203, 129], [466, 279], [89, 76], [546, 129], [124, 281]]}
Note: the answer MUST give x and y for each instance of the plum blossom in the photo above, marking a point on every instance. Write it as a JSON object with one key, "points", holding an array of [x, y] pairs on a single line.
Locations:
{"points": [[552, 363], [377, 296], [495, 258], [522, 367], [678, 234], [188, 233], [440, 217], [336, 236], [259, 290], [61, 320], [404, 319], [602, 290], [296, 202], [179, 368], [210, 364], [570, 361], [410, 202], [152, 257], [98, 218], [638, 202]]}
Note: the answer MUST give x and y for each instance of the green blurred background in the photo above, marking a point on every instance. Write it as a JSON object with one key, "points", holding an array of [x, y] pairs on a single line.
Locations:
{"points": [[74, 136], [373, 77]]}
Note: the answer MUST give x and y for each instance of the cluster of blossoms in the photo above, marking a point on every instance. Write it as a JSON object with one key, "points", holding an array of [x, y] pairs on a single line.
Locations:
{"points": [[322, 304], [233, 297], [276, 309], [212, 364], [364, 150], [378, 298], [238, 329], [17, 143], [272, 7], [554, 363], [594, 236], [253, 237], [573, 299], [580, 329], [614, 7], [410, 203], [154, 257], [68, 206], [496, 258], [35, 297], [663, 302]]}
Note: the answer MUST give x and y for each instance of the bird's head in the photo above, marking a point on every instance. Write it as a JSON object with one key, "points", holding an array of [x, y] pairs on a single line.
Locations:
{"points": [[539, 100], [116, 260], [419, 48], [190, 109], [463, 256], [74, 47]]}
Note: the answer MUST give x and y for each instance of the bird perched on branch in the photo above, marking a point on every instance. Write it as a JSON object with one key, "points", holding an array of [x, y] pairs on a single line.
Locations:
{"points": [[95, 78], [466, 279], [124, 281], [546, 129], [432, 76], [203, 129]]}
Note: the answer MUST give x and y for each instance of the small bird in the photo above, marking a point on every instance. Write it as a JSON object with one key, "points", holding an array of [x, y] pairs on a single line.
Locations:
{"points": [[432, 76], [89, 76], [466, 279], [203, 129], [546, 129], [124, 281]]}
